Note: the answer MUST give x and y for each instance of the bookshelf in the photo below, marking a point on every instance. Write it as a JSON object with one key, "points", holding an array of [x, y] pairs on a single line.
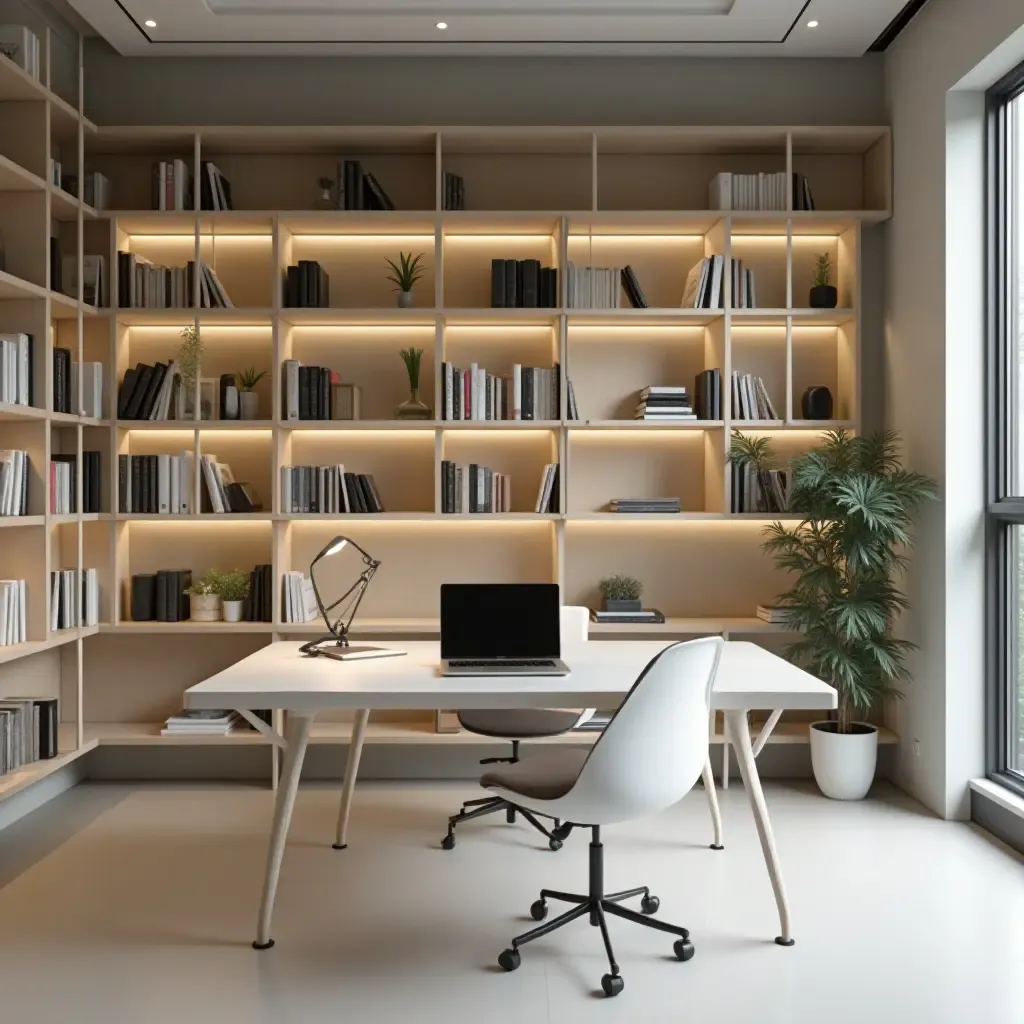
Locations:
{"points": [[600, 196]]}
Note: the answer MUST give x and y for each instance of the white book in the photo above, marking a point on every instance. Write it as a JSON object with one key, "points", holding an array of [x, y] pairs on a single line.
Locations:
{"points": [[449, 392], [211, 479], [286, 596], [291, 389], [310, 609], [174, 504], [766, 400], [22, 612], [287, 506], [19, 483], [6, 611], [54, 600], [17, 41], [717, 268], [185, 475], [539, 503], [163, 484], [473, 400], [23, 370]]}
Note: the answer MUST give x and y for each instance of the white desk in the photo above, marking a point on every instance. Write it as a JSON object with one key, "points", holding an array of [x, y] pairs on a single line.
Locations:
{"points": [[749, 679]]}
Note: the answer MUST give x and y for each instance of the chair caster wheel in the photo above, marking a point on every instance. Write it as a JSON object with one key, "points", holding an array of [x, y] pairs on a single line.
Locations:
{"points": [[612, 984], [649, 905], [561, 832], [509, 960], [683, 949], [539, 910], [554, 845], [448, 843]]}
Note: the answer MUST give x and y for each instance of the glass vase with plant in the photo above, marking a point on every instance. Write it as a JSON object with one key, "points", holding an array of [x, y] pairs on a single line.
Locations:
{"points": [[414, 408], [189, 360], [404, 276], [823, 293], [249, 401]]}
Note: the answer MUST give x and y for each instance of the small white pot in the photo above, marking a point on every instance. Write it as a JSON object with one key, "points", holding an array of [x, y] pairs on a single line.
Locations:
{"points": [[249, 403], [205, 607], [844, 763], [232, 610]]}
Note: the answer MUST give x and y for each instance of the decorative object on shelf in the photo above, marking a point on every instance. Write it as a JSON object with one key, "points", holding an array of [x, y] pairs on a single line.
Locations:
{"points": [[404, 276], [845, 557], [823, 294], [205, 600], [816, 403], [324, 200], [345, 401], [413, 409], [208, 407], [232, 587], [621, 593], [336, 644], [249, 401], [190, 360], [228, 393]]}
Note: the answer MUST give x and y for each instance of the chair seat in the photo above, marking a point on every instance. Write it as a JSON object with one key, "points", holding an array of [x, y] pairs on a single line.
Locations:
{"points": [[519, 723], [546, 776]]}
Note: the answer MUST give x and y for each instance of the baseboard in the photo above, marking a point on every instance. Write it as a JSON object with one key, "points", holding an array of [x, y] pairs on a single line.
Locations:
{"points": [[43, 791]]}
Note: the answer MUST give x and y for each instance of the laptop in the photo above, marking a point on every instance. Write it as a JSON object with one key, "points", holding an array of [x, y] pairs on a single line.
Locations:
{"points": [[501, 629]]}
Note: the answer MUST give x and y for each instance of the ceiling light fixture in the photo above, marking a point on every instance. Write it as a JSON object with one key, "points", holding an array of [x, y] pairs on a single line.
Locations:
{"points": [[812, 24], [150, 23], [442, 25]]}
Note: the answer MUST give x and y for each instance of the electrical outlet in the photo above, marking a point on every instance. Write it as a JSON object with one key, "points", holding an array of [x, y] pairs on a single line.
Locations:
{"points": [[917, 748]]}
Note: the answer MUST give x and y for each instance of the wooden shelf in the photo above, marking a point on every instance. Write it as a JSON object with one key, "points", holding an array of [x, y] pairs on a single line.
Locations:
{"points": [[641, 425], [188, 626], [14, 782], [15, 652]]}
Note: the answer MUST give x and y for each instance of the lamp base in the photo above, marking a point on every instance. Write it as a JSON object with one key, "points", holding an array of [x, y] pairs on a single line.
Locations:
{"points": [[345, 652]]}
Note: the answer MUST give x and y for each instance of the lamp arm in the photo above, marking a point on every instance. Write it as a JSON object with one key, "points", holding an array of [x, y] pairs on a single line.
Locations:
{"points": [[360, 584], [363, 583]]}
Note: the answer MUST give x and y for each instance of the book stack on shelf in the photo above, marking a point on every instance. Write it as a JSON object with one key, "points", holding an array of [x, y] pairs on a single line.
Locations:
{"points": [[759, 191], [707, 394], [201, 722], [91, 376], [664, 403], [155, 484], [802, 197], [750, 400], [13, 612], [307, 286], [150, 392], [632, 506], [298, 599], [468, 487], [775, 615], [143, 285], [328, 490], [64, 483], [15, 467], [523, 284], [651, 616], [161, 596], [597, 722], [758, 492], [28, 731], [220, 493], [358, 189], [316, 393], [94, 283], [530, 393], [97, 190], [74, 598], [547, 493], [744, 291], [16, 363], [259, 603], [703, 289], [21, 45], [453, 191], [596, 287], [214, 188], [172, 185]]}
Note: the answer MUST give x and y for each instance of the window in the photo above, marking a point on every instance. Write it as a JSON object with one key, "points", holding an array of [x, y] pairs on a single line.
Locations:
{"points": [[1005, 533]]}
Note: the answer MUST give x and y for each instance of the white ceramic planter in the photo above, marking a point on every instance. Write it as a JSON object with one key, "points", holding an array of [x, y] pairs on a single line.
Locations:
{"points": [[249, 403], [232, 610], [844, 763], [205, 607]]}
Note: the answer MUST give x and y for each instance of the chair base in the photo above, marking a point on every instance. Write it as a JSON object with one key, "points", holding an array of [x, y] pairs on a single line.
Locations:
{"points": [[491, 805], [596, 905]]}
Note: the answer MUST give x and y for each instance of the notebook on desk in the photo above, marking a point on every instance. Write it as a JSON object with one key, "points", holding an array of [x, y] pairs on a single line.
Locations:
{"points": [[501, 629]]}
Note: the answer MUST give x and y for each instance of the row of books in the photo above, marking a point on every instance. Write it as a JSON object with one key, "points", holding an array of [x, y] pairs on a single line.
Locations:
{"points": [[94, 278], [469, 487], [143, 285], [453, 191], [88, 376], [161, 596], [316, 393], [358, 189], [21, 45], [523, 284], [651, 616], [15, 469], [664, 403], [259, 604], [773, 614], [28, 731], [594, 287], [707, 394], [214, 188], [328, 490], [744, 290], [155, 484], [750, 400], [64, 483], [150, 392], [16, 369], [219, 492], [74, 598], [703, 288], [754, 491], [202, 722], [97, 185], [530, 393], [645, 505], [172, 185], [760, 191], [547, 493], [307, 286], [13, 612], [298, 600]]}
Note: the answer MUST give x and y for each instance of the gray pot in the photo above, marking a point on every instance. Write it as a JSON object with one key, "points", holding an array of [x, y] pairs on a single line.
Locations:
{"points": [[622, 606], [249, 403], [405, 300]]}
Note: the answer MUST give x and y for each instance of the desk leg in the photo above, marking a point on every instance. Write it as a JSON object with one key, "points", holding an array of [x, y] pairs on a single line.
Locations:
{"points": [[348, 786], [297, 736], [738, 731], [708, 775]]}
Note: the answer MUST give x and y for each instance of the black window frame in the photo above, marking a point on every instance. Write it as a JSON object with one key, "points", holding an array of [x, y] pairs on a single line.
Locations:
{"points": [[1005, 512]]}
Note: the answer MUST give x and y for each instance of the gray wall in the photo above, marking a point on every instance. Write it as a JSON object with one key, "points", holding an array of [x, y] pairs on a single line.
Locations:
{"points": [[485, 91]]}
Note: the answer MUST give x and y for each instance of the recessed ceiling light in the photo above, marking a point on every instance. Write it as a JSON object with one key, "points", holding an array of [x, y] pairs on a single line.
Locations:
{"points": [[442, 25], [812, 24], [150, 23]]}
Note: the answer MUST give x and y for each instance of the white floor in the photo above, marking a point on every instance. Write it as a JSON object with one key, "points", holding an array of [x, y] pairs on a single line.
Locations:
{"points": [[138, 904]]}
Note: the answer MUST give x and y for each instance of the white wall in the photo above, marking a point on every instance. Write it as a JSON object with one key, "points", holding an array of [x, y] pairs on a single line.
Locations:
{"points": [[937, 72]]}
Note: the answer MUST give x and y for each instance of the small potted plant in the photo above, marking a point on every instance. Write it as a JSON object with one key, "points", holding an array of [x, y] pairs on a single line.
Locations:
{"points": [[249, 401], [404, 275], [204, 599], [413, 409], [823, 294], [232, 586], [621, 594]]}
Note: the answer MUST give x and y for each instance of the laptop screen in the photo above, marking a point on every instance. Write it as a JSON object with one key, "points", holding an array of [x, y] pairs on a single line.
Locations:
{"points": [[500, 620]]}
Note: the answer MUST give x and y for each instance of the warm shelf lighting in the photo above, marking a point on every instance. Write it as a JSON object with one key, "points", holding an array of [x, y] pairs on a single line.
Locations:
{"points": [[150, 23], [636, 238], [345, 239], [360, 328], [523, 237]]}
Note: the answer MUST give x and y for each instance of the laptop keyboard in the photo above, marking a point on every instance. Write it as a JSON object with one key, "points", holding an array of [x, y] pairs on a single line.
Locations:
{"points": [[504, 663]]}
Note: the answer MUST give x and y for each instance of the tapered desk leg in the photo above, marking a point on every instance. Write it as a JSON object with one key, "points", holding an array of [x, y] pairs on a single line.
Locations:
{"points": [[708, 775], [348, 786], [297, 737], [738, 731]]}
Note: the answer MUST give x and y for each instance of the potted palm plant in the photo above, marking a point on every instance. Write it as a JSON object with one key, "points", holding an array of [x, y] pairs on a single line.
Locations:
{"points": [[249, 401], [404, 275], [414, 408], [845, 557], [823, 293]]}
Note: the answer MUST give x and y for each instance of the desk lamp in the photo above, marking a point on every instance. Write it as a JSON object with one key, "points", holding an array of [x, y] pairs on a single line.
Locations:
{"points": [[336, 644]]}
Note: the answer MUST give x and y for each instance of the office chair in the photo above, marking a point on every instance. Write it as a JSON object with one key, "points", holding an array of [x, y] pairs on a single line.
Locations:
{"points": [[648, 757], [518, 725]]}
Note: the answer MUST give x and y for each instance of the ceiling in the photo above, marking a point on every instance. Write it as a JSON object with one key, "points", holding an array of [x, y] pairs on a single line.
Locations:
{"points": [[845, 28]]}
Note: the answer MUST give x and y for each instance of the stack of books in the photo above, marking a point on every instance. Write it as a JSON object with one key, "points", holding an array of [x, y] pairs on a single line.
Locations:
{"points": [[143, 285], [161, 596], [28, 731], [703, 288], [258, 605], [523, 284], [13, 612], [15, 469], [473, 488], [358, 189], [744, 294], [16, 369], [219, 492], [776, 616], [547, 493], [298, 599], [21, 45], [453, 192], [599, 287], [316, 393], [597, 722], [802, 197], [759, 492], [530, 393], [214, 188], [650, 615], [750, 399], [328, 490], [64, 483], [634, 505], [94, 278], [707, 392], [155, 484], [97, 191], [201, 722], [91, 375], [149, 392], [759, 191], [307, 286], [172, 185], [664, 403], [74, 603]]}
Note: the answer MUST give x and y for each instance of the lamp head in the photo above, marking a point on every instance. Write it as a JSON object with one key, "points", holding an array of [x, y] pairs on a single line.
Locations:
{"points": [[335, 546]]}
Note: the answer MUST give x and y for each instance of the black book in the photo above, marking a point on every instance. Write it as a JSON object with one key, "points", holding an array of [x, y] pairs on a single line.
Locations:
{"points": [[510, 284], [527, 397], [268, 593], [716, 388], [153, 462], [94, 470], [184, 581], [471, 469], [163, 590], [49, 724], [304, 392], [135, 482], [124, 396], [238, 500], [55, 265], [292, 289], [531, 283], [519, 283], [447, 486], [369, 497], [122, 483], [325, 393], [323, 289], [152, 390], [380, 199], [351, 492], [634, 292], [139, 392], [497, 284]]}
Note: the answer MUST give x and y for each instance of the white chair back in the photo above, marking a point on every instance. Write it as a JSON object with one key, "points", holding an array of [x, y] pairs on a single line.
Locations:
{"points": [[653, 750]]}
